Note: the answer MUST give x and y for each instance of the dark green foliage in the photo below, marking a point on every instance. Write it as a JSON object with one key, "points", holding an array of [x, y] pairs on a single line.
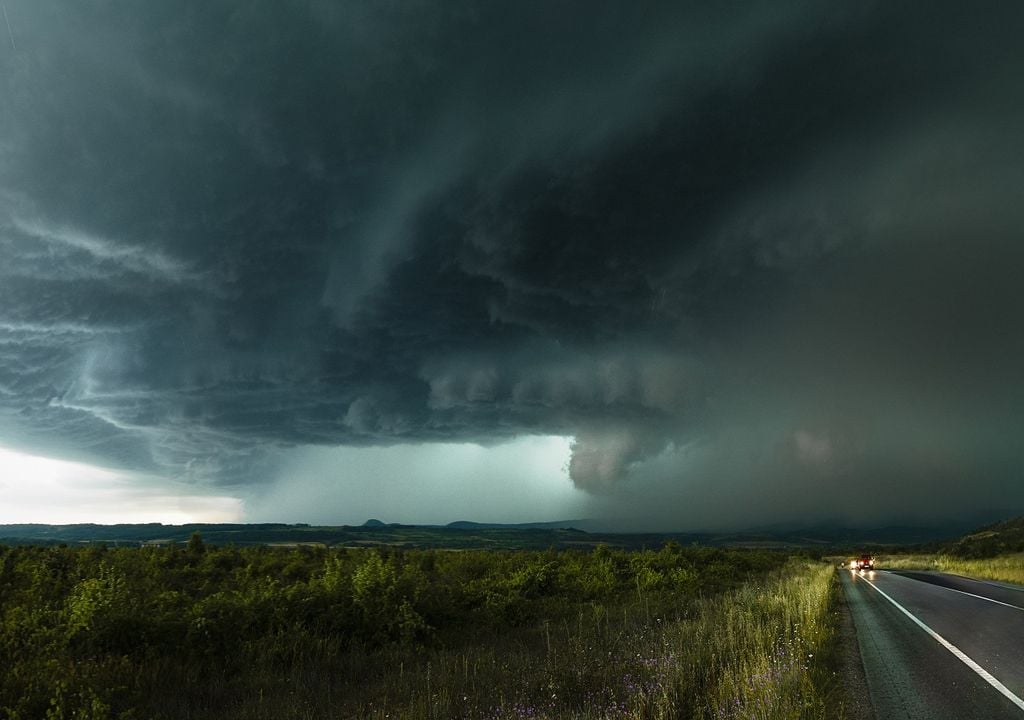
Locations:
{"points": [[999, 539], [167, 632], [408, 536]]}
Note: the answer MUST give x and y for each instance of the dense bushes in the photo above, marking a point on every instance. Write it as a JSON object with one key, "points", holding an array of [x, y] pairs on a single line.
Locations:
{"points": [[95, 632], [1002, 538]]}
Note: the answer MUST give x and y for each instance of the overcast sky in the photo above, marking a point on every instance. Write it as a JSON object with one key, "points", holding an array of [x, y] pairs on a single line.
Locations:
{"points": [[677, 265]]}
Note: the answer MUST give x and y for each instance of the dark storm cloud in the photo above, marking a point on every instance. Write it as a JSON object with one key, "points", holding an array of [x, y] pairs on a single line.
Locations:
{"points": [[769, 247]]}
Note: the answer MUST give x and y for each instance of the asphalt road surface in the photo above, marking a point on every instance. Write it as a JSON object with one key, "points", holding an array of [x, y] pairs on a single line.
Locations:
{"points": [[939, 646]]}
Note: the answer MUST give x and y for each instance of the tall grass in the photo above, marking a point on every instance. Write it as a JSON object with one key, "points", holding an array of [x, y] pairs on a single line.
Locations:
{"points": [[1005, 568], [259, 634], [758, 652]]}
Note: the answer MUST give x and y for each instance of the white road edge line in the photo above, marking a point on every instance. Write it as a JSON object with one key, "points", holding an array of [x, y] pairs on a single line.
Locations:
{"points": [[980, 597], [955, 650]]}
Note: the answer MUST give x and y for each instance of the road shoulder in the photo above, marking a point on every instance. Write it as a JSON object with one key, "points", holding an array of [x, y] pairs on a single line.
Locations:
{"points": [[857, 698]]}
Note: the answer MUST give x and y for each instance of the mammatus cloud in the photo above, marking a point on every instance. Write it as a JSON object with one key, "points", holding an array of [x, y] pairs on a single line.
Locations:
{"points": [[745, 257]]}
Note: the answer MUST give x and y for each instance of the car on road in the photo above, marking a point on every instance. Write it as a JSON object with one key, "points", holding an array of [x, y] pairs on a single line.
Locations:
{"points": [[864, 562]]}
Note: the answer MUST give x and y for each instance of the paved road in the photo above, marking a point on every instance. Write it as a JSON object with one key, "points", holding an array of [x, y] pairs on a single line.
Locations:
{"points": [[911, 673]]}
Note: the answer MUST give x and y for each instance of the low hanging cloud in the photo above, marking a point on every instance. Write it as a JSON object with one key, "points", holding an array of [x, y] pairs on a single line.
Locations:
{"points": [[763, 252]]}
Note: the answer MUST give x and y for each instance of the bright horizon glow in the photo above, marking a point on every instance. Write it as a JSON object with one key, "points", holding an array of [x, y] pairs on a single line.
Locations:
{"points": [[522, 480], [42, 490]]}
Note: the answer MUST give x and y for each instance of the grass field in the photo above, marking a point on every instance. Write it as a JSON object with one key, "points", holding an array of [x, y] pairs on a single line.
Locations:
{"points": [[748, 653], [1005, 568], [310, 633]]}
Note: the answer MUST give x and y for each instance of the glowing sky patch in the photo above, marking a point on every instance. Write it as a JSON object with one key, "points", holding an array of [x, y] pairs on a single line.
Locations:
{"points": [[40, 490], [433, 483]]}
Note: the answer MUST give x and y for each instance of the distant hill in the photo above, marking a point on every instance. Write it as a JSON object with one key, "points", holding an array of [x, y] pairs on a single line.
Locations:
{"points": [[1002, 537], [391, 535], [584, 525], [998, 539], [838, 535]]}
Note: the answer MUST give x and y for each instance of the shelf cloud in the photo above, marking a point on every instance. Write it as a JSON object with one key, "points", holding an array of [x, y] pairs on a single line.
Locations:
{"points": [[747, 256]]}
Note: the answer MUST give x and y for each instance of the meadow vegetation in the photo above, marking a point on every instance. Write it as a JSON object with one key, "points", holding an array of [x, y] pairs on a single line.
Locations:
{"points": [[1004, 568], [202, 632]]}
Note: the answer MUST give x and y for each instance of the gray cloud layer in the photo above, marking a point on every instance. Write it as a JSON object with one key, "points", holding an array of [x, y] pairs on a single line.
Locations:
{"points": [[760, 250]]}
